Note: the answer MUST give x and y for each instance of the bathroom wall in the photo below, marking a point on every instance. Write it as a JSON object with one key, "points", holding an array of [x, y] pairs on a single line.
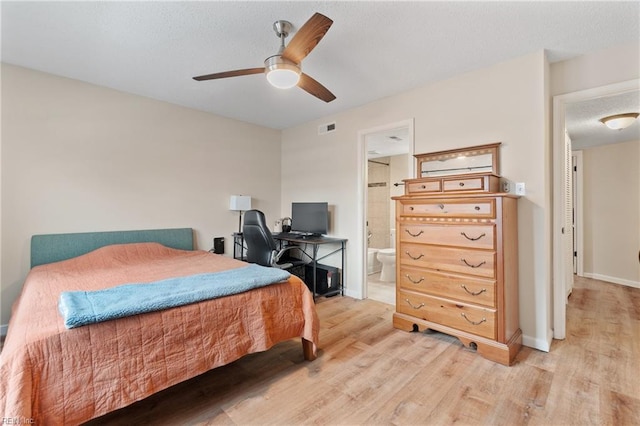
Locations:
{"points": [[398, 170], [378, 208], [381, 208]]}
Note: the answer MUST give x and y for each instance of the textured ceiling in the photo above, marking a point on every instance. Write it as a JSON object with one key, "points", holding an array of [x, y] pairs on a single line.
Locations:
{"points": [[373, 49], [585, 129]]}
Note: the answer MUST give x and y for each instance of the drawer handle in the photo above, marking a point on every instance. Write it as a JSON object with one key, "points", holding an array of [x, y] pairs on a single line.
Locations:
{"points": [[414, 235], [470, 238], [411, 208], [441, 206], [414, 281], [473, 322], [423, 186], [477, 208], [414, 307], [471, 292], [470, 265], [461, 184], [414, 258]]}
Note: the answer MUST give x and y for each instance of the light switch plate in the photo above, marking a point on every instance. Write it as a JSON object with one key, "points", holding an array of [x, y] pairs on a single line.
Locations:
{"points": [[520, 189]]}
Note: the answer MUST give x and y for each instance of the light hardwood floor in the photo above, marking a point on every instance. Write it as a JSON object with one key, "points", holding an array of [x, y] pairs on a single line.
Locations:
{"points": [[381, 291], [369, 373]]}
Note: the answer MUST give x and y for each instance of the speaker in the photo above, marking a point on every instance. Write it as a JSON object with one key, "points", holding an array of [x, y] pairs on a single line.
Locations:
{"points": [[218, 245]]}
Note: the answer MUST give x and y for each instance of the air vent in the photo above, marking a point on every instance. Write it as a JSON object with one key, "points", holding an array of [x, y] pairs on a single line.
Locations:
{"points": [[326, 128]]}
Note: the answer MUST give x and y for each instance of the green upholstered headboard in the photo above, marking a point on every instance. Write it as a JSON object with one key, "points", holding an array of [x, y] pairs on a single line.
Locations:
{"points": [[56, 247]]}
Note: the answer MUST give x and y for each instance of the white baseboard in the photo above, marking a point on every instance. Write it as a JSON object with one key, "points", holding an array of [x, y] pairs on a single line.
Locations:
{"points": [[349, 292], [542, 344], [614, 280], [3, 329]]}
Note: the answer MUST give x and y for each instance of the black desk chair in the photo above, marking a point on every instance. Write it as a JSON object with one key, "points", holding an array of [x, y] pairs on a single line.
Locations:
{"points": [[261, 247]]}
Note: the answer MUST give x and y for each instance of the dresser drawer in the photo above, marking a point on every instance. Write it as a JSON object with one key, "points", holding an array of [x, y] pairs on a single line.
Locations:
{"points": [[424, 187], [484, 208], [468, 184], [466, 261], [481, 292], [476, 320], [473, 236]]}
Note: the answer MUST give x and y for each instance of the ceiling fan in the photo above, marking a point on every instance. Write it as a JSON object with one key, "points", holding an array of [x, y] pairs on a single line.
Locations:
{"points": [[283, 69]]}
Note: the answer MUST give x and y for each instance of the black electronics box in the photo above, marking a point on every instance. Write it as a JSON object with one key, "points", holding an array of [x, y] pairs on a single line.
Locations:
{"points": [[327, 278], [218, 245]]}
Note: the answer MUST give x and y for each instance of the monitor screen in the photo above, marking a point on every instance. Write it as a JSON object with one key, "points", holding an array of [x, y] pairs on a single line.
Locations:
{"points": [[310, 218]]}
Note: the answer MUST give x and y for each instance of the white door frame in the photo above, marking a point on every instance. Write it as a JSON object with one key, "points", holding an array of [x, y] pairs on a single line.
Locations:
{"points": [[559, 112], [363, 179]]}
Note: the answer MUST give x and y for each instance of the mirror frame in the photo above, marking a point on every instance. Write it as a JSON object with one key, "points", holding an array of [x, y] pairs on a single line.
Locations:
{"points": [[492, 149]]}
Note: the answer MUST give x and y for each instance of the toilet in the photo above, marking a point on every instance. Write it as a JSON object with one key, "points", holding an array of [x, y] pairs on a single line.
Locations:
{"points": [[387, 257], [373, 266]]}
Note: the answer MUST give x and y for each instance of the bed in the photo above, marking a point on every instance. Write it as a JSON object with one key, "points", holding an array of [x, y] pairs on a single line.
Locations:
{"points": [[50, 374]]}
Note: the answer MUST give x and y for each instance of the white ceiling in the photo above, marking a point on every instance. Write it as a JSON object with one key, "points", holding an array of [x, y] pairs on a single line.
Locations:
{"points": [[584, 126], [388, 143], [373, 50]]}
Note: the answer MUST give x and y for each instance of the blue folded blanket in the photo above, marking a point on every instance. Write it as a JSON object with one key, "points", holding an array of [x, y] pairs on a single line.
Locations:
{"points": [[86, 307]]}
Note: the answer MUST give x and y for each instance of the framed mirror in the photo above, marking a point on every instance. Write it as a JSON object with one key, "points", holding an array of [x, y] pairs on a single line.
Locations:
{"points": [[476, 159]]}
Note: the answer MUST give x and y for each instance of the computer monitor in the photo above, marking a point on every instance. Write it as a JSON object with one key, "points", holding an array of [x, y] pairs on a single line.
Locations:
{"points": [[310, 218]]}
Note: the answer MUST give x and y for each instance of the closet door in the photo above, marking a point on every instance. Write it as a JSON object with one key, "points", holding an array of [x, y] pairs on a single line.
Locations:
{"points": [[567, 226]]}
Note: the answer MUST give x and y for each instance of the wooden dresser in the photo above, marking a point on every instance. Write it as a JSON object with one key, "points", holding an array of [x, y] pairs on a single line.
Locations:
{"points": [[457, 262]]}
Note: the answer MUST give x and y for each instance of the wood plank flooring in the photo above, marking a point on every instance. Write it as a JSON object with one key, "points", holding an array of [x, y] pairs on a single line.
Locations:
{"points": [[369, 373]]}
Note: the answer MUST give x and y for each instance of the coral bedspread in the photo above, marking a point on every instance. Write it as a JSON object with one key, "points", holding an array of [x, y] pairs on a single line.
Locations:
{"points": [[53, 375]]}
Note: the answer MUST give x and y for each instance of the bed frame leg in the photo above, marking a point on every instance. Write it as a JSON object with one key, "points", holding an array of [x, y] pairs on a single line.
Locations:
{"points": [[308, 350]]}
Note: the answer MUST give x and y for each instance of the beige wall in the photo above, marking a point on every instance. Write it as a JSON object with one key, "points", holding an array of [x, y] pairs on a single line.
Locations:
{"points": [[78, 157], [600, 68], [505, 102], [611, 206]]}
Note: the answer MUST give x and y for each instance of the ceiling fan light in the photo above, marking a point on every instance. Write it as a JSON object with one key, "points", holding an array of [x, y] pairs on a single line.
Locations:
{"points": [[283, 78], [281, 73], [619, 121]]}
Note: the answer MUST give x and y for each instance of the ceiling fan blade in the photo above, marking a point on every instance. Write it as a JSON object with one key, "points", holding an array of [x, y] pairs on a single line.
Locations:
{"points": [[316, 89], [226, 74], [307, 37]]}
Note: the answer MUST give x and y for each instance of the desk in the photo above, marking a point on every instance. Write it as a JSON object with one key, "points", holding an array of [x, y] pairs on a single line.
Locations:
{"points": [[239, 248], [312, 244]]}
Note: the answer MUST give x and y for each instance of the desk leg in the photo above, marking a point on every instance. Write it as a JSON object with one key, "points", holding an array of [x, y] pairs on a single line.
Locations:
{"points": [[315, 271], [344, 271]]}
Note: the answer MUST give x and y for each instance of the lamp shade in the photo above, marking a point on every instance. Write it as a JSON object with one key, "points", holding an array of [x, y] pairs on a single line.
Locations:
{"points": [[240, 203]]}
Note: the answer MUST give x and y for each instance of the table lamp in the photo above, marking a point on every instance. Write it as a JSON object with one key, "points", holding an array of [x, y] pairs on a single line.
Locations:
{"points": [[240, 203]]}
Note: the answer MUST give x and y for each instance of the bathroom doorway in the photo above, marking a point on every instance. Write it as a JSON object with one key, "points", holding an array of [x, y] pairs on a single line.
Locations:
{"points": [[389, 155]]}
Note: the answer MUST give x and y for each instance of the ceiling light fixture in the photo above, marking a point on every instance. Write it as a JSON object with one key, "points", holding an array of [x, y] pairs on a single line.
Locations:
{"points": [[619, 121], [282, 73]]}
